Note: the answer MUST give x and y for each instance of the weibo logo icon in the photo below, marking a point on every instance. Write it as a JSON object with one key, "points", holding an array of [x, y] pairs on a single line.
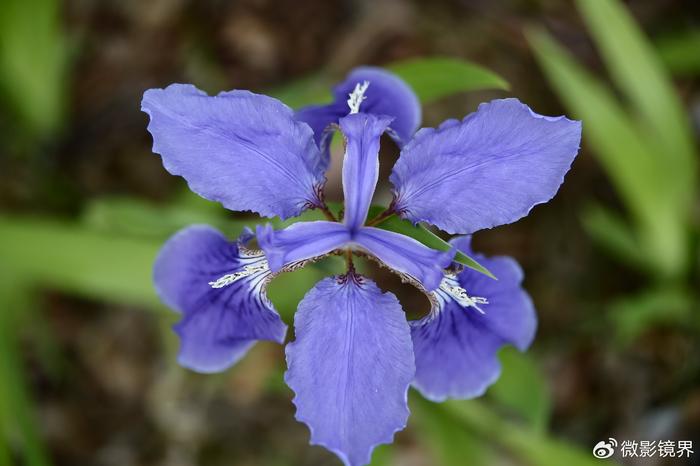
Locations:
{"points": [[605, 449]]}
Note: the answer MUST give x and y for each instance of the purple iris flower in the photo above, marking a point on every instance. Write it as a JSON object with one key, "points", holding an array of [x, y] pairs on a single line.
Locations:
{"points": [[354, 355]]}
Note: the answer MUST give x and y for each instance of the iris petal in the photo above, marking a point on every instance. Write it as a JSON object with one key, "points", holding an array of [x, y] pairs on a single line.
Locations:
{"points": [[405, 255], [350, 366], [221, 323], [488, 170], [387, 95], [300, 241], [361, 164], [456, 345], [241, 149]]}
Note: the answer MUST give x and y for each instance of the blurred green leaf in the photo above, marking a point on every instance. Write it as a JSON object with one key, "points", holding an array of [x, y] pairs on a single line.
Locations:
{"points": [[639, 74], [383, 455], [633, 315], [134, 217], [613, 234], [33, 62], [5, 457], [71, 258], [437, 77], [525, 443], [17, 413], [313, 89], [447, 439], [431, 79], [430, 239], [679, 51], [639, 174], [521, 388], [287, 289]]}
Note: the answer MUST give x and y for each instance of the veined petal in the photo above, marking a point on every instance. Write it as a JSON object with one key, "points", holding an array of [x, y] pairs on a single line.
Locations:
{"points": [[387, 95], [456, 345], [361, 163], [219, 287], [489, 170], [300, 241], [350, 366], [405, 255], [241, 149]]}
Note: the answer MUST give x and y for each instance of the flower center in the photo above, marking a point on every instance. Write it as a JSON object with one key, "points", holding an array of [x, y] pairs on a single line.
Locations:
{"points": [[357, 96], [451, 286]]}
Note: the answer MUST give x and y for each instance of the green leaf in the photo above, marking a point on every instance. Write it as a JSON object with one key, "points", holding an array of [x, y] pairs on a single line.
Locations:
{"points": [[521, 388], [639, 74], [287, 289], [312, 89], [383, 455], [679, 51], [17, 413], [89, 263], [523, 442], [637, 171], [431, 79], [633, 315], [437, 77], [33, 63], [614, 234], [430, 239], [134, 217], [449, 441]]}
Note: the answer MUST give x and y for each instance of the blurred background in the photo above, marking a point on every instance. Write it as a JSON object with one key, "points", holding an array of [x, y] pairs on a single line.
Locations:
{"points": [[87, 358]]}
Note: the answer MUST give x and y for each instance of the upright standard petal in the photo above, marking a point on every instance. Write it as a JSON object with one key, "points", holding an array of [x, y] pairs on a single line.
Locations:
{"points": [[350, 366], [361, 163], [405, 255], [241, 149], [489, 170], [387, 95], [456, 345], [218, 286], [300, 241]]}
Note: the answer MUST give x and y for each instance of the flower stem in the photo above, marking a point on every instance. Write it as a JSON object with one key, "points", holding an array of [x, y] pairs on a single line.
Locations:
{"points": [[348, 261], [327, 212], [389, 212]]}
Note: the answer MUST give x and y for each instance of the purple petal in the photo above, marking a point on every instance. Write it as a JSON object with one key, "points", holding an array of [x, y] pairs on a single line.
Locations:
{"points": [[241, 149], [456, 345], [350, 366], [300, 241], [405, 255], [361, 164], [219, 324], [319, 118], [387, 95], [489, 170]]}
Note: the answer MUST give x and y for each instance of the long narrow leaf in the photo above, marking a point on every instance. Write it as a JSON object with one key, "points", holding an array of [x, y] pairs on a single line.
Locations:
{"points": [[679, 51], [431, 79], [522, 388], [16, 405], [33, 62], [625, 153], [639, 74], [535, 448], [614, 234], [82, 261], [430, 239], [437, 77]]}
